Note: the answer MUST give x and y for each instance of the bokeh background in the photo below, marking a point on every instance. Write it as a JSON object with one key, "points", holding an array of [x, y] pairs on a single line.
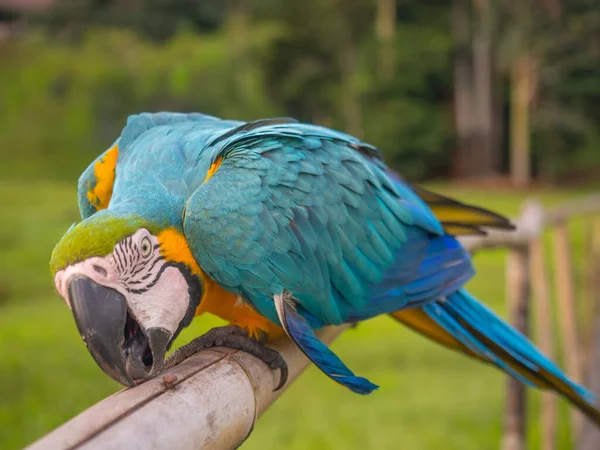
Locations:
{"points": [[491, 101]]}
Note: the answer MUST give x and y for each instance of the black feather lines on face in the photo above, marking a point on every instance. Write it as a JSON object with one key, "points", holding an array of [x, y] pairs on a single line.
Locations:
{"points": [[136, 274], [195, 294]]}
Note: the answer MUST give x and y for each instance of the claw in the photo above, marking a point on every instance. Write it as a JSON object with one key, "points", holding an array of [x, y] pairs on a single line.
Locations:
{"points": [[236, 338], [283, 375]]}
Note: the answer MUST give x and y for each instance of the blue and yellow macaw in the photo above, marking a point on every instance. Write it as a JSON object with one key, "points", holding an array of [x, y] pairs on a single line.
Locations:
{"points": [[277, 227]]}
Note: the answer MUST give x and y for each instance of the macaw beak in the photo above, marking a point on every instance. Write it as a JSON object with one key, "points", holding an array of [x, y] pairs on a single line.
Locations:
{"points": [[123, 349]]}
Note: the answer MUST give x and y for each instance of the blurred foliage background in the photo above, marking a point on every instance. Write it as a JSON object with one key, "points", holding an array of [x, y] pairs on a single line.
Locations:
{"points": [[433, 84], [495, 92]]}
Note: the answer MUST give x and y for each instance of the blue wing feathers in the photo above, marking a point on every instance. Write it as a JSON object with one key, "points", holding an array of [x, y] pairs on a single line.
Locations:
{"points": [[442, 268], [300, 331], [282, 183]]}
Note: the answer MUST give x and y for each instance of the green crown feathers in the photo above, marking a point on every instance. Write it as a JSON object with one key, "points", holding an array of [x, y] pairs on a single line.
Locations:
{"points": [[96, 236]]}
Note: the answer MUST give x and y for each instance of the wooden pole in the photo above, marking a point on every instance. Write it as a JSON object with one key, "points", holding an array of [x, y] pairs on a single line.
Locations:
{"points": [[590, 434], [515, 418], [518, 288], [587, 205], [565, 289], [594, 262], [212, 401], [590, 204], [591, 288], [545, 336], [586, 313]]}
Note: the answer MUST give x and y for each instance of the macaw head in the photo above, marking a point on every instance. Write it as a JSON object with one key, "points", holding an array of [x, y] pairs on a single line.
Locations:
{"points": [[132, 285]]}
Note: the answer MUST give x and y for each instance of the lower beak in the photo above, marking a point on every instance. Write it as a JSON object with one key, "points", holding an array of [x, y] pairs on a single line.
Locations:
{"points": [[124, 350]]}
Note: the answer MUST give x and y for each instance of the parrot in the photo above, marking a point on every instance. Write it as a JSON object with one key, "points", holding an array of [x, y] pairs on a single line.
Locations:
{"points": [[279, 228]]}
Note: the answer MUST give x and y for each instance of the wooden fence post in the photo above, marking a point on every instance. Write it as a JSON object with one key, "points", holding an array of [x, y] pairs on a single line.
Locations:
{"points": [[591, 289], [565, 289], [590, 434], [515, 418], [544, 336], [518, 288]]}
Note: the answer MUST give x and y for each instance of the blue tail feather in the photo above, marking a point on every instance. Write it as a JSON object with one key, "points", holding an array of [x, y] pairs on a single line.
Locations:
{"points": [[484, 333]]}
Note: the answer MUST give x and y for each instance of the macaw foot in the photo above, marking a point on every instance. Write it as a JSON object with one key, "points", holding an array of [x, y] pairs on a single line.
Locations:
{"points": [[232, 337]]}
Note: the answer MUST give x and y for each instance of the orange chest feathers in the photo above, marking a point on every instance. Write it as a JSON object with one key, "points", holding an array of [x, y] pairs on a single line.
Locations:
{"points": [[230, 307]]}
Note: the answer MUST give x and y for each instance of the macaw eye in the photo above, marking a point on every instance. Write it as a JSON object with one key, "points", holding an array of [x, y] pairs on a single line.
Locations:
{"points": [[146, 247]]}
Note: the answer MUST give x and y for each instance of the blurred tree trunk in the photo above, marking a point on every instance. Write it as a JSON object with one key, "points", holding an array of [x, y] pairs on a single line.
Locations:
{"points": [[520, 99], [385, 25], [463, 111], [522, 88], [482, 82], [351, 106], [498, 83], [238, 41], [321, 116], [554, 7]]}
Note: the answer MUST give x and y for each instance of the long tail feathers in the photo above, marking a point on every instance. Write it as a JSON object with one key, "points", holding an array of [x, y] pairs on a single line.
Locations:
{"points": [[419, 321], [462, 323]]}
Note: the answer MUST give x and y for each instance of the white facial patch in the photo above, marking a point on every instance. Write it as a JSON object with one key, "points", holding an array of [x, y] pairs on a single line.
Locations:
{"points": [[165, 304]]}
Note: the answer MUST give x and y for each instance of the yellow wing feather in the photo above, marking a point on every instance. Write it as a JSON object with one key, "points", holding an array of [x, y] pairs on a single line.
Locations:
{"points": [[459, 218], [104, 171]]}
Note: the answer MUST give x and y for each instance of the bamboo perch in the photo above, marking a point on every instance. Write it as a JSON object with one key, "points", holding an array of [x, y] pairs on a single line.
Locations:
{"points": [[212, 404]]}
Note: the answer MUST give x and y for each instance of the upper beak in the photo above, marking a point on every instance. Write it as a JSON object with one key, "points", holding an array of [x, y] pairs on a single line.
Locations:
{"points": [[123, 349]]}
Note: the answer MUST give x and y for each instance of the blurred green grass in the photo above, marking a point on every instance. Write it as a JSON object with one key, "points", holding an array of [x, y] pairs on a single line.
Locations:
{"points": [[430, 398]]}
